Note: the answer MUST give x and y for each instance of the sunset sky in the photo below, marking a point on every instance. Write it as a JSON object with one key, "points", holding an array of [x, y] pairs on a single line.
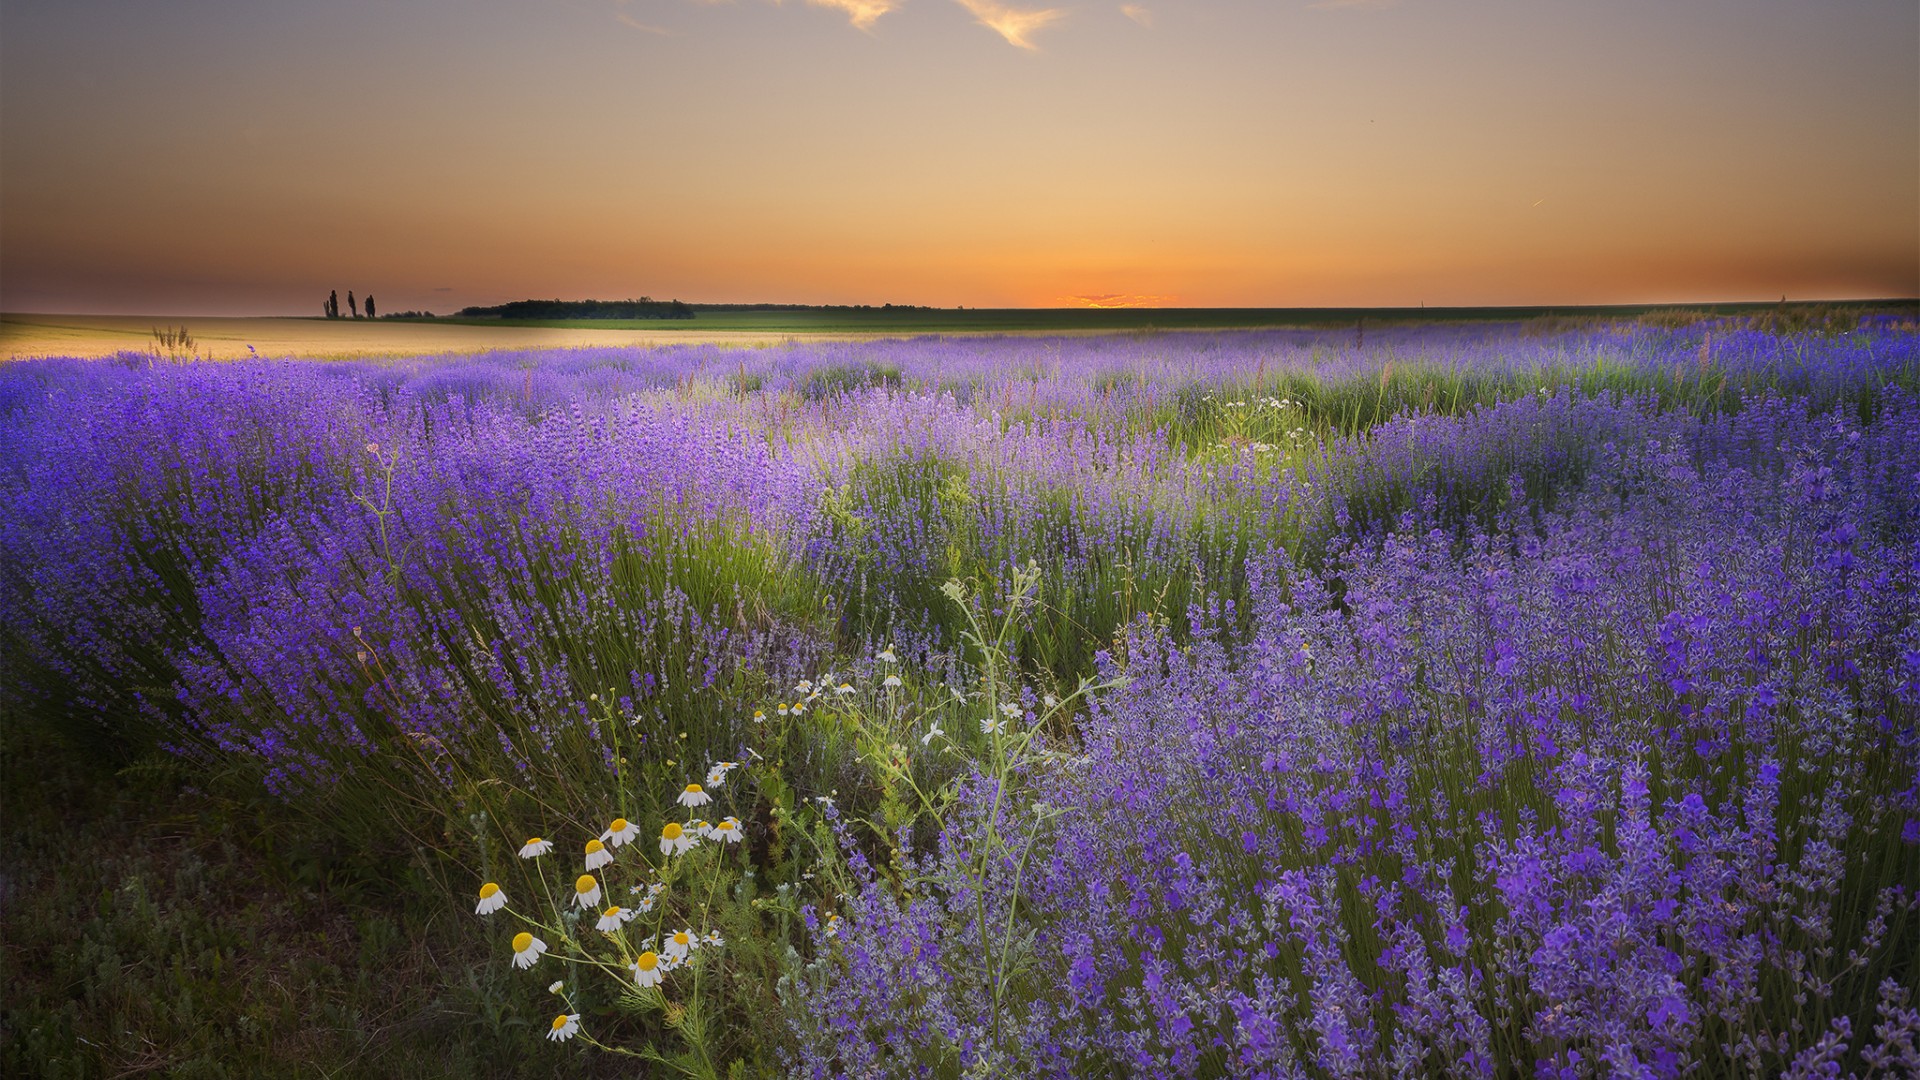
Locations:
{"points": [[246, 156]]}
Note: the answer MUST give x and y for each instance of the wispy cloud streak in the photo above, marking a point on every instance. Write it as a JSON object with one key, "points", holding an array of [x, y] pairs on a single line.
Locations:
{"points": [[1014, 24], [1116, 300], [645, 28], [861, 13], [1138, 13]]}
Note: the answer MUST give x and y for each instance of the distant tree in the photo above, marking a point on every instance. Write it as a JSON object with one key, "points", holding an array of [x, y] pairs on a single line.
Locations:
{"points": [[352, 304], [643, 308], [333, 303], [370, 306]]}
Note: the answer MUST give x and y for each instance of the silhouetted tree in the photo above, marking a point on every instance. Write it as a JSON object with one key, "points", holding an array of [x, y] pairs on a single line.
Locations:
{"points": [[333, 303], [643, 308], [369, 305], [352, 304]]}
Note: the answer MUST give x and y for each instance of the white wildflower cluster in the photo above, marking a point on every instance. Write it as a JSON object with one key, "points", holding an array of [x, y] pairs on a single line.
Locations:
{"points": [[646, 961], [1267, 401], [808, 691], [994, 725]]}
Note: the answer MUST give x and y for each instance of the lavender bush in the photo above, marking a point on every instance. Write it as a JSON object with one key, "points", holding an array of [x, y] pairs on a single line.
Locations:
{"points": [[1489, 700]]}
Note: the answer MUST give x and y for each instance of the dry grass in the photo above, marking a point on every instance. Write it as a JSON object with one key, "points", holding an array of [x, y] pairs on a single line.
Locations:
{"points": [[24, 336]]}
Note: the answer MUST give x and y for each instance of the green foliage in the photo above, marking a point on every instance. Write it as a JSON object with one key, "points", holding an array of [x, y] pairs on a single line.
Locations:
{"points": [[150, 931], [838, 379]]}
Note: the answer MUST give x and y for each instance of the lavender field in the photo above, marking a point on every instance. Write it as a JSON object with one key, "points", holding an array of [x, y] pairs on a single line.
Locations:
{"points": [[1488, 700]]}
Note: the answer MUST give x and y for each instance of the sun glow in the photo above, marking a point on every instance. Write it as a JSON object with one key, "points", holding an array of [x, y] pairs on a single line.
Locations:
{"points": [[1116, 300]]}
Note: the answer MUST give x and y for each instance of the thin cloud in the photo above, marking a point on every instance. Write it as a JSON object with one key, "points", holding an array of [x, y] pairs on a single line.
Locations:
{"points": [[645, 28], [1116, 300], [1138, 13], [861, 13], [1335, 5], [1012, 23]]}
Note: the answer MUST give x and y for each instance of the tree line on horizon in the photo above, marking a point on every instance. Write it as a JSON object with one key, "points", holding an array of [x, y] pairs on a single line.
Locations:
{"points": [[643, 308]]}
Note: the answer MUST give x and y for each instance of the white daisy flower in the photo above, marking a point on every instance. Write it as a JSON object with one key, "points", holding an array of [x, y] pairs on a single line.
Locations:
{"points": [[759, 716], [803, 686], [647, 970], [535, 848], [843, 689], [783, 709], [620, 832], [679, 943], [833, 926], [565, 1027], [713, 938], [718, 774], [1011, 710], [597, 855], [934, 731], [699, 827], [727, 832], [694, 795], [586, 891], [670, 963], [676, 840], [526, 950], [613, 919], [891, 682], [992, 726], [887, 655], [1050, 701], [491, 899], [800, 706], [556, 986]]}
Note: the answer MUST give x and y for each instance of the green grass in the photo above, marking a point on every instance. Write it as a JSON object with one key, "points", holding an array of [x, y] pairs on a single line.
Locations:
{"points": [[163, 922], [871, 320]]}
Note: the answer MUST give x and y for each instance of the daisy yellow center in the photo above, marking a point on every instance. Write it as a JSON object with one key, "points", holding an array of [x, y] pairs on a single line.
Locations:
{"points": [[559, 1022], [648, 961], [531, 841], [585, 884], [619, 825], [672, 831], [522, 941], [595, 845], [680, 938], [612, 911], [488, 890], [693, 789]]}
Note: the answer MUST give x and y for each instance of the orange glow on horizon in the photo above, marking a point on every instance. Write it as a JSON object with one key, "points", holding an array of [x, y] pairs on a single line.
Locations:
{"points": [[1117, 300]]}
